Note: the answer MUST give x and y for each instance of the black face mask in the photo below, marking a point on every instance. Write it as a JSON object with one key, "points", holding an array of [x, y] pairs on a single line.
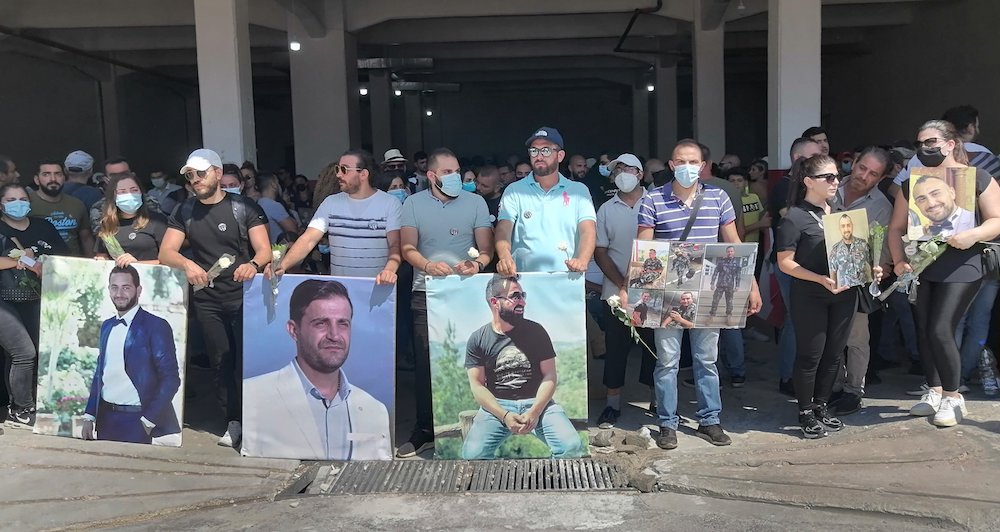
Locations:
{"points": [[930, 157]]}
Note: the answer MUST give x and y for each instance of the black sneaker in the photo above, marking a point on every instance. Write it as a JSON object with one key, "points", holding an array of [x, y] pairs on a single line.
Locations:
{"points": [[811, 427], [420, 441], [824, 416], [667, 438], [652, 407], [848, 403], [786, 387], [608, 417], [688, 383], [738, 382], [713, 434], [21, 419]]}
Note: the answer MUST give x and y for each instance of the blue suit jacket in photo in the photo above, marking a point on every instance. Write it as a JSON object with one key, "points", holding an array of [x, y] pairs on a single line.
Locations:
{"points": [[151, 364]]}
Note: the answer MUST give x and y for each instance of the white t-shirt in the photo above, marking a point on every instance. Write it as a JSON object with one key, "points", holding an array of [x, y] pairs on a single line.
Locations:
{"points": [[357, 231]]}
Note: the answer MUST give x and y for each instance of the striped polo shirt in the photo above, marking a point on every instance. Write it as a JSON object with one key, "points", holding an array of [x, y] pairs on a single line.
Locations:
{"points": [[667, 214]]}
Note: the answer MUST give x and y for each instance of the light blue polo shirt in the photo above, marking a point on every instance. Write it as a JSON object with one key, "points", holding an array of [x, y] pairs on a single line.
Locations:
{"points": [[545, 220], [445, 229]]}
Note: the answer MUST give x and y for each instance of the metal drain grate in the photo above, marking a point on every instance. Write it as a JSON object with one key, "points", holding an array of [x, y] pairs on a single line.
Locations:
{"points": [[356, 478]]}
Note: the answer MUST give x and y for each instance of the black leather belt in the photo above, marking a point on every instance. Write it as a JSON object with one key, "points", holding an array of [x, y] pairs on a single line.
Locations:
{"points": [[121, 408]]}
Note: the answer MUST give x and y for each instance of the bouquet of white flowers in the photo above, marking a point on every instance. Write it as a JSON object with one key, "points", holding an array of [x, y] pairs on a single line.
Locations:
{"points": [[619, 312], [920, 257]]}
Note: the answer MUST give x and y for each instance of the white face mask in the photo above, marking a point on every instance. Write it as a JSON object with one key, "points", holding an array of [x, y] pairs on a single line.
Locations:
{"points": [[626, 182]]}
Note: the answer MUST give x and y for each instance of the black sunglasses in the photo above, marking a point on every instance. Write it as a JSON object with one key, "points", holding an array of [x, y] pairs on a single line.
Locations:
{"points": [[190, 176], [830, 178]]}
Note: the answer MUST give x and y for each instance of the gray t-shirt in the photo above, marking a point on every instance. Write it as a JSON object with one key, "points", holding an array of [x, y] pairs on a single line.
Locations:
{"points": [[445, 230], [275, 213]]}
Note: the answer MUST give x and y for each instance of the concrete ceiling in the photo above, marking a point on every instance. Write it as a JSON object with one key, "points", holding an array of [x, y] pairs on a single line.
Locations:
{"points": [[476, 41]]}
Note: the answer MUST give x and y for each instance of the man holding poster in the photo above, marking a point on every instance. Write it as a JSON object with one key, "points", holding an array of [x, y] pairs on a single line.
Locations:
{"points": [[511, 365]]}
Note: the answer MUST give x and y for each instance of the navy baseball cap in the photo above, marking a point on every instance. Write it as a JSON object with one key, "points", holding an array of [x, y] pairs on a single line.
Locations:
{"points": [[550, 134]]}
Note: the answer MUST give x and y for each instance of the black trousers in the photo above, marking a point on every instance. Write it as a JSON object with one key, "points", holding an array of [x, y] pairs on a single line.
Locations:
{"points": [[820, 338], [422, 363], [937, 311], [120, 426], [222, 328], [618, 343], [19, 340]]}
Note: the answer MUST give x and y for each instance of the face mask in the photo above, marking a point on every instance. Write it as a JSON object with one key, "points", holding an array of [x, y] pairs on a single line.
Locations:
{"points": [[626, 182], [469, 186], [399, 194], [603, 169], [930, 157], [324, 249], [232, 190], [845, 166], [159, 182], [687, 174], [451, 184], [17, 209], [128, 203]]}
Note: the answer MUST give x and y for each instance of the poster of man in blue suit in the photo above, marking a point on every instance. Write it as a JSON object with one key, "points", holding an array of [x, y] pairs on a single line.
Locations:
{"points": [[137, 375]]}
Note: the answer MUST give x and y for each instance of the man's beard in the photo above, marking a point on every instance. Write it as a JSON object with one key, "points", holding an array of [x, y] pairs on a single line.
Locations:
{"points": [[546, 169], [208, 192], [128, 305], [509, 316], [52, 189]]}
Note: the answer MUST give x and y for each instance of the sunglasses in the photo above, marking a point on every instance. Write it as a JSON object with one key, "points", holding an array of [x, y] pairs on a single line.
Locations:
{"points": [[191, 176], [928, 143], [341, 169], [522, 296], [830, 178]]}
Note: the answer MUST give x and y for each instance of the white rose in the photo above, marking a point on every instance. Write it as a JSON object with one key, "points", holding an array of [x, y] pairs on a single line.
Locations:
{"points": [[563, 246], [614, 302], [15, 254], [473, 253], [276, 254], [225, 262]]}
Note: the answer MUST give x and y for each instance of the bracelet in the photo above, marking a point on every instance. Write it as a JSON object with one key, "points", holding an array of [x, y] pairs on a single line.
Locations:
{"points": [[427, 264], [504, 419]]}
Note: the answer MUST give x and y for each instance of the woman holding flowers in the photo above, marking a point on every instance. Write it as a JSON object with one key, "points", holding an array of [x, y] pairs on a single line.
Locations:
{"points": [[947, 285], [129, 232], [22, 241], [821, 332]]}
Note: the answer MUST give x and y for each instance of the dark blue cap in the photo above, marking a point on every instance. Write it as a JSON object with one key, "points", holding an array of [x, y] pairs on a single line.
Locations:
{"points": [[550, 134]]}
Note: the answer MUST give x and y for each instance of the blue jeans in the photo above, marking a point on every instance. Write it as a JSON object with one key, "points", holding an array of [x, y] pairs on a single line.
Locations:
{"points": [[705, 351], [731, 349], [553, 428], [898, 311], [975, 326], [786, 341]]}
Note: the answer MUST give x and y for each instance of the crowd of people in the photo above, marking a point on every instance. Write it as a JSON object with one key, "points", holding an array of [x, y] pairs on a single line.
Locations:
{"points": [[402, 220]]}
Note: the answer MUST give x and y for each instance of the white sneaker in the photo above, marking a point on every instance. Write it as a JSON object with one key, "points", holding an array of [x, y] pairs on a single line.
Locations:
{"points": [[233, 435], [928, 405], [951, 412]]}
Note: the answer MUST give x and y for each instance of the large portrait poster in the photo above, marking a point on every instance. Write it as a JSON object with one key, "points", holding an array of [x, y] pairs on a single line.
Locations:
{"points": [[319, 379], [111, 351], [498, 345], [690, 284], [942, 202], [847, 249]]}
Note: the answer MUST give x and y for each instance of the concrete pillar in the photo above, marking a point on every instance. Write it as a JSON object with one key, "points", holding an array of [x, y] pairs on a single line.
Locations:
{"points": [[380, 98], [414, 123], [640, 118], [709, 83], [110, 120], [666, 107], [793, 74], [225, 84], [326, 113]]}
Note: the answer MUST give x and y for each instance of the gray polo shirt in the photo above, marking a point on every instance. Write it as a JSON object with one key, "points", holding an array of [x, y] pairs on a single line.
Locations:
{"points": [[445, 230], [617, 225]]}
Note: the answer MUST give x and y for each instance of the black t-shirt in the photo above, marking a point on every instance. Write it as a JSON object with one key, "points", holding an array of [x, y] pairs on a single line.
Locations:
{"points": [[801, 233], [143, 244], [643, 310], [512, 360], [213, 232], [41, 236], [957, 265], [493, 205]]}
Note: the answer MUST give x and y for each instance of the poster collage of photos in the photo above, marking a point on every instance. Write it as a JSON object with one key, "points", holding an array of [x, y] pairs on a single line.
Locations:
{"points": [[690, 285]]}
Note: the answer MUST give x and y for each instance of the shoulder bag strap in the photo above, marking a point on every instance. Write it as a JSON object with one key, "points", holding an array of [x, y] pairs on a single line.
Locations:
{"points": [[694, 215]]}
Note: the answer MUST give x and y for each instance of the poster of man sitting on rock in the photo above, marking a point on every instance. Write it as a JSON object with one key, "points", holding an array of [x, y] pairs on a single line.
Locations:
{"points": [[508, 366]]}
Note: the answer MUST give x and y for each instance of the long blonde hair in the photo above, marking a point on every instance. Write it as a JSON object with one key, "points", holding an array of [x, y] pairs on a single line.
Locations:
{"points": [[326, 185], [109, 216]]}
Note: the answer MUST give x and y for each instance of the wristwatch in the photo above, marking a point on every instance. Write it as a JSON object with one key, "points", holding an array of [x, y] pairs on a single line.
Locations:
{"points": [[256, 266]]}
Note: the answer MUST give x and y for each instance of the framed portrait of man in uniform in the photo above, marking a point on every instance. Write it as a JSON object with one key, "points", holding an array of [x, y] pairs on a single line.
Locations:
{"points": [[847, 248]]}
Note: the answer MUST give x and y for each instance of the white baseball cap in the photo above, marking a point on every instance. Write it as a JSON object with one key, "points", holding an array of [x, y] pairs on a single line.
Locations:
{"points": [[79, 162], [627, 159], [201, 159]]}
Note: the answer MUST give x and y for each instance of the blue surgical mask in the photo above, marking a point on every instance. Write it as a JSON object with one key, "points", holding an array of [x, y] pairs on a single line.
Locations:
{"points": [[399, 194], [687, 174], [232, 190], [17, 209], [129, 203], [604, 170], [469, 186], [324, 249], [451, 184], [159, 182]]}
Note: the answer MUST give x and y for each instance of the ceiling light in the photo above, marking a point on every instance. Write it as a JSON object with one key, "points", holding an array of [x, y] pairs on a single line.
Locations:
{"points": [[429, 112], [294, 45], [363, 91], [650, 87], [398, 92]]}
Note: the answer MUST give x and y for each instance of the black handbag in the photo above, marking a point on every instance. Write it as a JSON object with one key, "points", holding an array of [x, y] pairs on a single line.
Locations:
{"points": [[17, 286], [991, 261]]}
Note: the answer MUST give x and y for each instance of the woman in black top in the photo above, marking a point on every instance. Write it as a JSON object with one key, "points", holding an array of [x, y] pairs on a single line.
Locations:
{"points": [[948, 286], [125, 218], [20, 291], [821, 333]]}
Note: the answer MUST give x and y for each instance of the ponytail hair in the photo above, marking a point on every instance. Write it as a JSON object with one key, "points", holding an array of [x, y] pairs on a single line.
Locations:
{"points": [[801, 169]]}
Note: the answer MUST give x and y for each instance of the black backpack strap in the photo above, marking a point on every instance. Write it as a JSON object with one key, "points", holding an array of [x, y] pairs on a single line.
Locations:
{"points": [[694, 214], [187, 213], [240, 213]]}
